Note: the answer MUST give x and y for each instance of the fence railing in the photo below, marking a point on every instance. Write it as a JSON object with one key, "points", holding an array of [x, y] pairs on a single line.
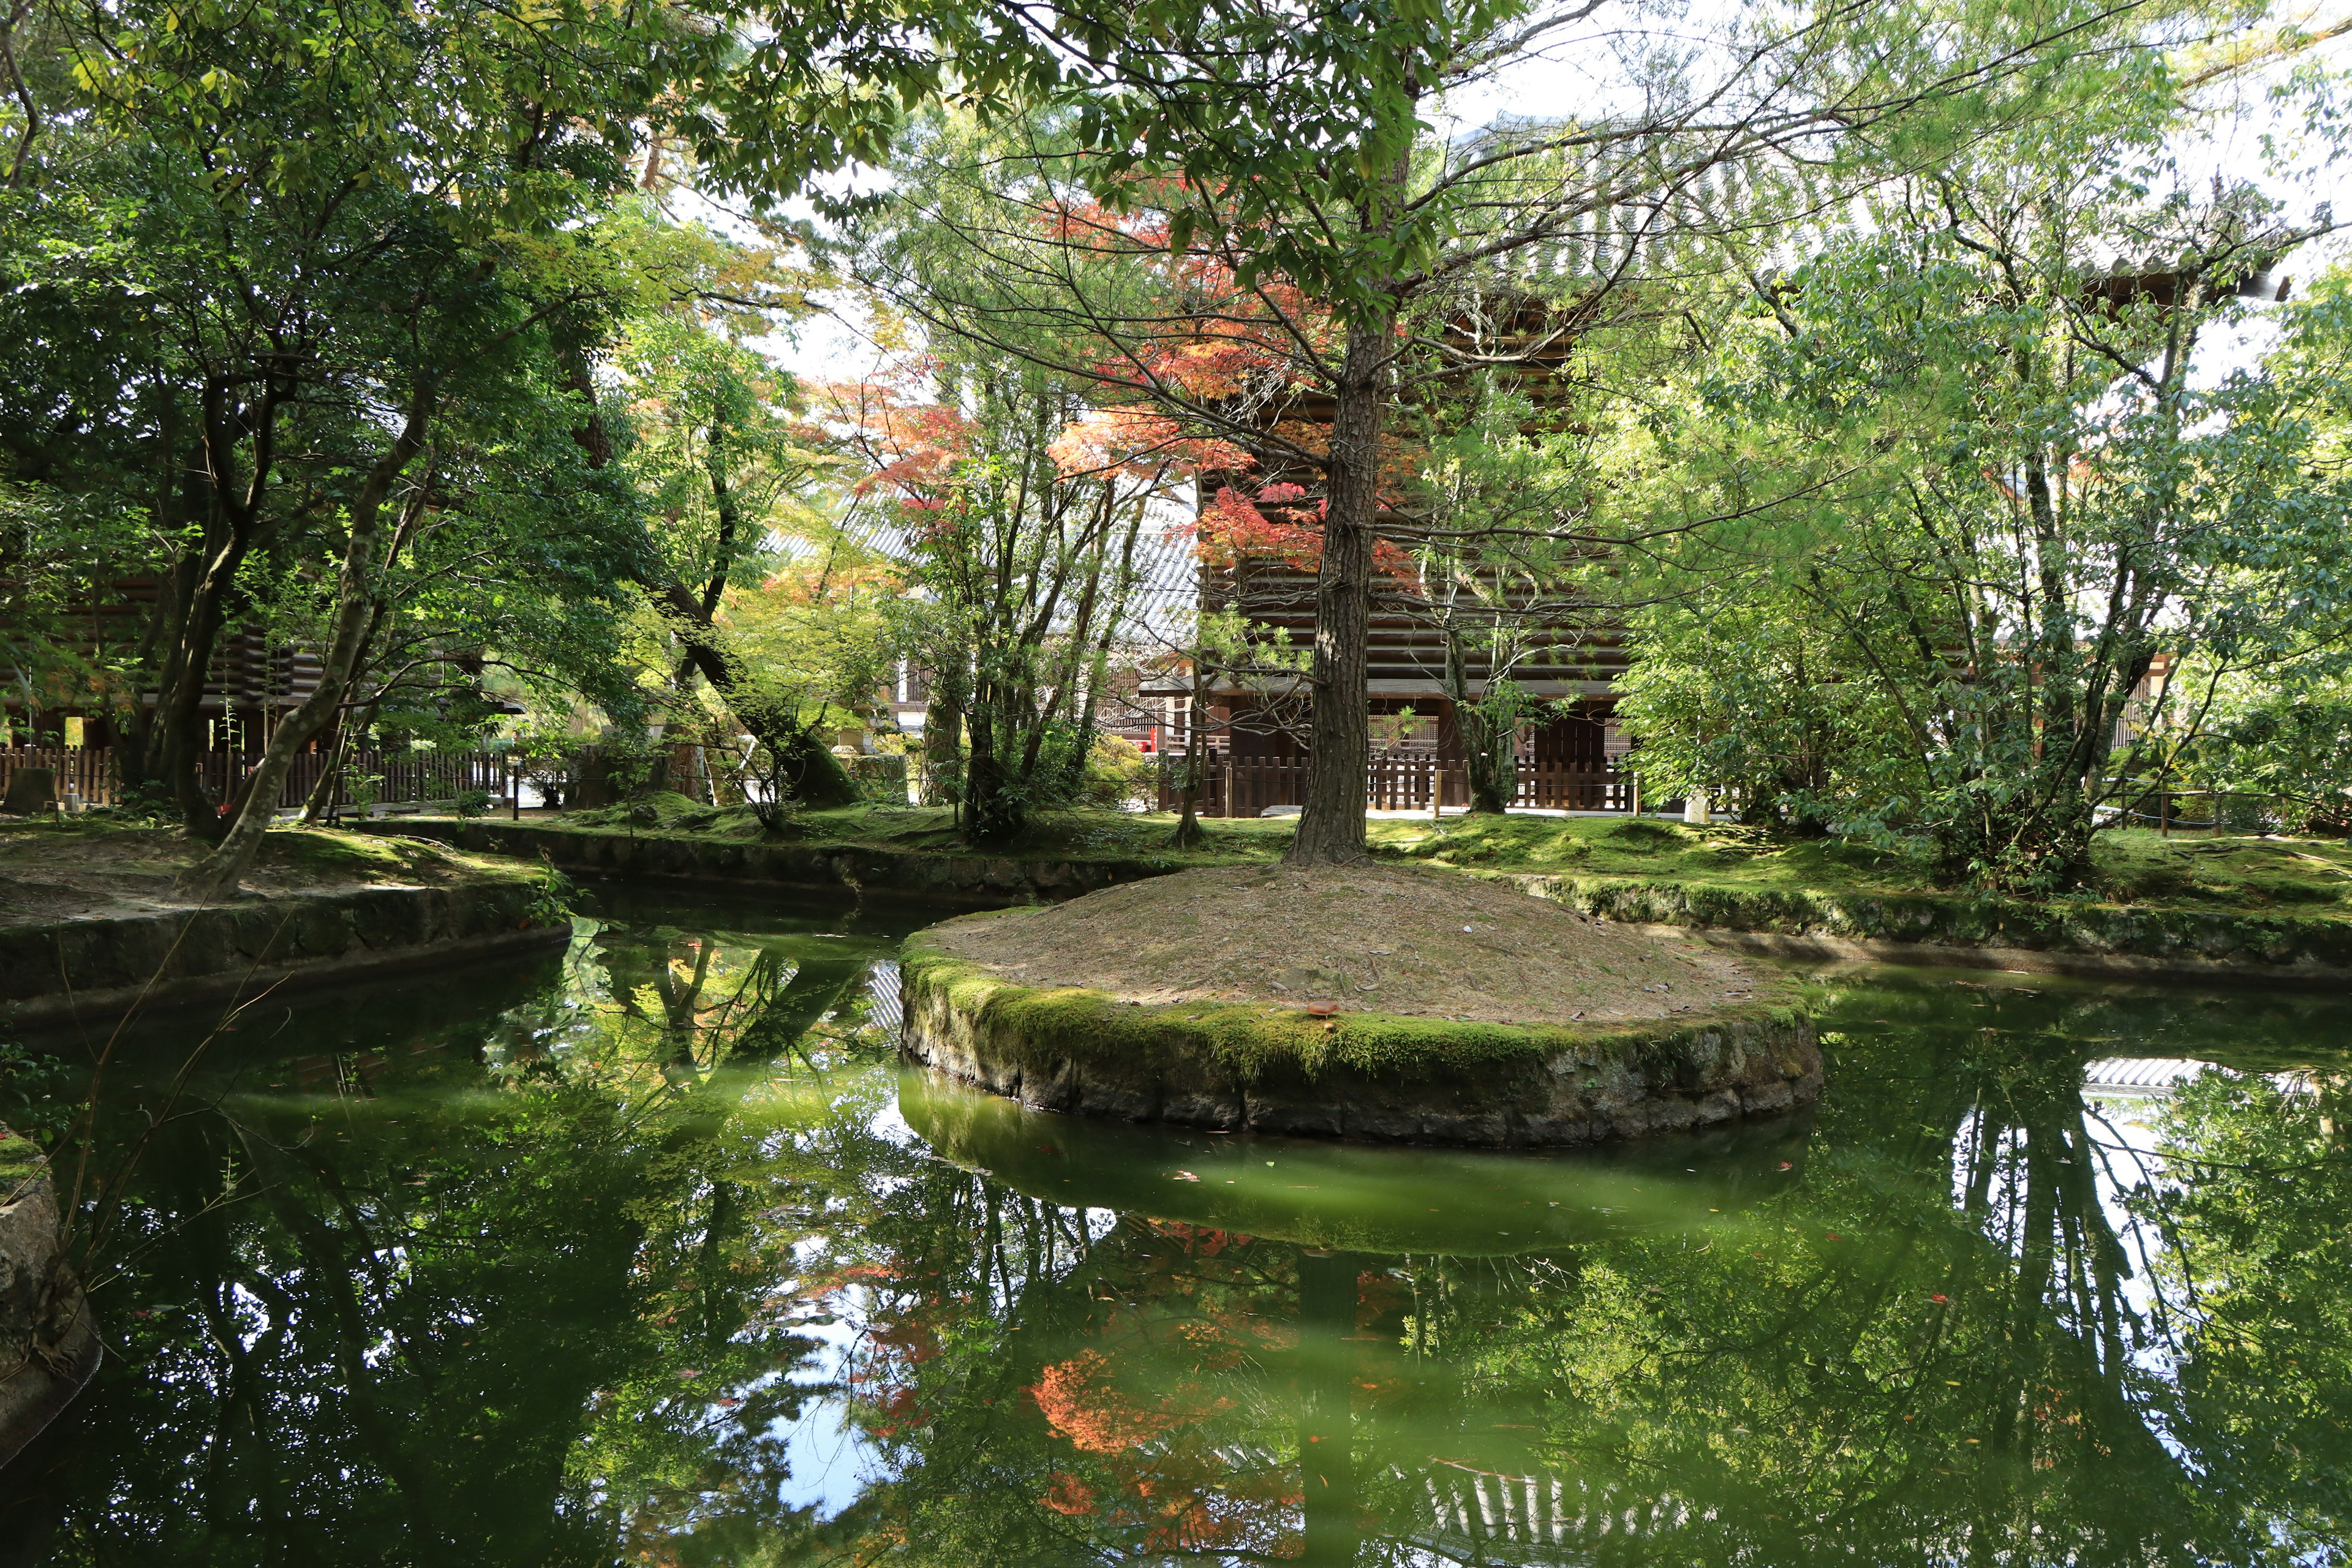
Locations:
{"points": [[1246, 788], [88, 774]]}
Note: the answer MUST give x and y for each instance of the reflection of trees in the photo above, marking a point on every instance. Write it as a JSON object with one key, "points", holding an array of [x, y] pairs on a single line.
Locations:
{"points": [[566, 1306], [1945, 1346], [2256, 1303], [467, 1318], [716, 998]]}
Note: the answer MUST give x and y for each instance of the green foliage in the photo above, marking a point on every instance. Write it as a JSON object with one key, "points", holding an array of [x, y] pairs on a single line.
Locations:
{"points": [[33, 1106], [1966, 503], [557, 894], [1027, 553]]}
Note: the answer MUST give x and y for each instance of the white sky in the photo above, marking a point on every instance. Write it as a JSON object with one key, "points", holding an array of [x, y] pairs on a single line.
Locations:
{"points": [[2301, 171]]}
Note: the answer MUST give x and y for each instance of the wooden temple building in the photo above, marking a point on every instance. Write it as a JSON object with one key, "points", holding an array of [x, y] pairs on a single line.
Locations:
{"points": [[1570, 657]]}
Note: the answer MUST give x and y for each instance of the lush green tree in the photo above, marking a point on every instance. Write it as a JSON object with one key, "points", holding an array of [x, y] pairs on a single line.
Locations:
{"points": [[2009, 496], [1282, 171], [732, 480], [1499, 517]]}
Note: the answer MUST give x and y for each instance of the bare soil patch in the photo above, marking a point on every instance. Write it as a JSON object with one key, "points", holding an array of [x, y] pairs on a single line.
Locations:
{"points": [[73, 872], [1373, 939]]}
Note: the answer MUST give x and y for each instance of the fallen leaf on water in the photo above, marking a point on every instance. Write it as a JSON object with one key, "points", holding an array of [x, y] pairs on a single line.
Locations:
{"points": [[1186, 1176]]}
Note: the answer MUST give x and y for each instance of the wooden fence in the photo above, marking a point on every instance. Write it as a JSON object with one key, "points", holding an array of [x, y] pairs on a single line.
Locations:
{"points": [[87, 773], [84, 772], [1410, 783]]}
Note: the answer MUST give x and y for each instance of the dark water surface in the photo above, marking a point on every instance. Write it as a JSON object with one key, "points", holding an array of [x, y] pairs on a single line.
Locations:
{"points": [[649, 1253]]}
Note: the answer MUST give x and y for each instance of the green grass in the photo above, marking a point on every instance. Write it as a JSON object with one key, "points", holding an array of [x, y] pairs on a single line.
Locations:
{"points": [[312, 854], [2131, 866], [1057, 835]]}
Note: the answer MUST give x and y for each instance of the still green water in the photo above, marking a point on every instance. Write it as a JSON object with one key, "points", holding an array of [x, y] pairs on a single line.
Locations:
{"points": [[650, 1253]]}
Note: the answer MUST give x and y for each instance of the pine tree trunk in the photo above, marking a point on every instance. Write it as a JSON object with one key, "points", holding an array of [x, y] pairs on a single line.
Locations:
{"points": [[1331, 825], [1189, 833], [943, 748], [1491, 750]]}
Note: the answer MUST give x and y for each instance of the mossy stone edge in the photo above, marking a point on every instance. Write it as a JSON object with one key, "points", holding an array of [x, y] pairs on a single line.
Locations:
{"points": [[47, 1334], [1370, 1076]]}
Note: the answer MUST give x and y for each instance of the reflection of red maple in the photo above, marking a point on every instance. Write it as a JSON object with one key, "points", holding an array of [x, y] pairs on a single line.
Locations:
{"points": [[1082, 1403]]}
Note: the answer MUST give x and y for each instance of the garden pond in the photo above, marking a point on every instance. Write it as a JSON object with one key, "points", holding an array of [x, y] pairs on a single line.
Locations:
{"points": [[649, 1251]]}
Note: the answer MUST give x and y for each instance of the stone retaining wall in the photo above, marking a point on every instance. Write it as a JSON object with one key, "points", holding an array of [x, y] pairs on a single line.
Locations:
{"points": [[49, 1345], [88, 969], [967, 878]]}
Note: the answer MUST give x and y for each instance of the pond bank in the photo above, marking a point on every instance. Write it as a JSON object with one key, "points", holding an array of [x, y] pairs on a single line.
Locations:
{"points": [[1958, 931], [1368, 1003], [48, 1345], [2127, 941], [976, 879], [90, 926]]}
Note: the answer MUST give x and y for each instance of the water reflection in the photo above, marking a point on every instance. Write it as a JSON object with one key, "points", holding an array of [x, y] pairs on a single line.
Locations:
{"points": [[648, 1255]]}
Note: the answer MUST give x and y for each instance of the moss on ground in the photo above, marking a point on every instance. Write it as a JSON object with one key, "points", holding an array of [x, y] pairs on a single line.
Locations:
{"points": [[53, 870], [2131, 866], [1057, 835], [2208, 872], [20, 1161]]}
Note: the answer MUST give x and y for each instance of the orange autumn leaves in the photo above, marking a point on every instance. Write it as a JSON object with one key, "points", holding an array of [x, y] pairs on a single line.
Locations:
{"points": [[922, 454]]}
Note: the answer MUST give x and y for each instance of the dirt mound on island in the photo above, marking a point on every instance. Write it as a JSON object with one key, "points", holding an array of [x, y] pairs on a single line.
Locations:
{"points": [[1367, 938]]}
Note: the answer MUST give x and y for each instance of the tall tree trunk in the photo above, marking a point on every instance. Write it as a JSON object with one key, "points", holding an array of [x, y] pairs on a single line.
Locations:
{"points": [[1490, 742], [1331, 823], [943, 742], [232, 514], [1490, 753], [1189, 832], [356, 609], [176, 729], [995, 807]]}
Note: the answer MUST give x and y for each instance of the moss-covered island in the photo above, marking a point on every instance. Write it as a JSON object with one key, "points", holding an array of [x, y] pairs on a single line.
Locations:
{"points": [[1369, 1002]]}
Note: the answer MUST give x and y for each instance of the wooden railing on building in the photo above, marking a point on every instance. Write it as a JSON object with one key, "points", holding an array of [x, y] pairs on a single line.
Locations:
{"points": [[1410, 783]]}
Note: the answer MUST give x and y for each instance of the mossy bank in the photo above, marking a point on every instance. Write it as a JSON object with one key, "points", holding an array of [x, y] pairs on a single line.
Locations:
{"points": [[89, 927], [2245, 909], [1260, 1067], [49, 1346]]}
